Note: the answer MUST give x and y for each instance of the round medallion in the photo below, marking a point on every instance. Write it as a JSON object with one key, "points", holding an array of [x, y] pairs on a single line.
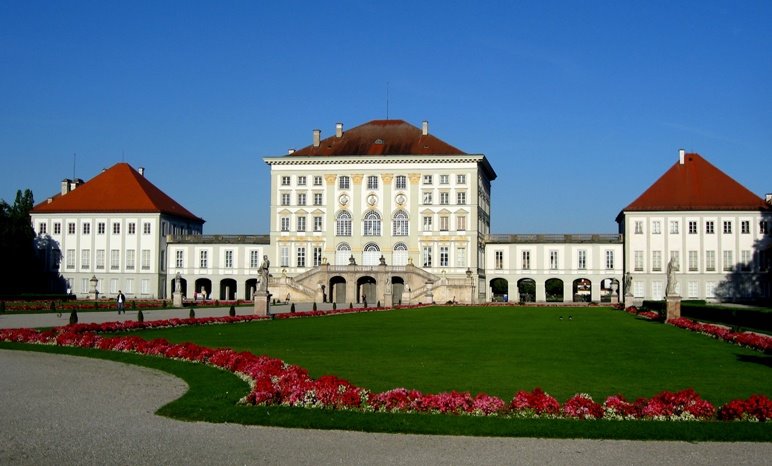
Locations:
{"points": [[343, 199], [401, 199], [372, 199]]}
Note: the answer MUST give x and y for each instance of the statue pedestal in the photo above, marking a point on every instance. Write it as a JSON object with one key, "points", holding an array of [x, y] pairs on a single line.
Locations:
{"points": [[628, 300], [388, 299], [614, 293], [262, 303], [673, 307], [177, 299]]}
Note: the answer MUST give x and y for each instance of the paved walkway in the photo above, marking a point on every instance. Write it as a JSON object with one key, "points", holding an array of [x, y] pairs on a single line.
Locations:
{"points": [[59, 409]]}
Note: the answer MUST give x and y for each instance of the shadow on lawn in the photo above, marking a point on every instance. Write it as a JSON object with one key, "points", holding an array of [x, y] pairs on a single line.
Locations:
{"points": [[764, 360]]}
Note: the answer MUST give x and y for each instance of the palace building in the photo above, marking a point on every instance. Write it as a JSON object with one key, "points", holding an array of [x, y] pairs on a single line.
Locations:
{"points": [[388, 212]]}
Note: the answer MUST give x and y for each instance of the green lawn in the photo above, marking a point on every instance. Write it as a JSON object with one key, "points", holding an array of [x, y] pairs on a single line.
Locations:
{"points": [[500, 351]]}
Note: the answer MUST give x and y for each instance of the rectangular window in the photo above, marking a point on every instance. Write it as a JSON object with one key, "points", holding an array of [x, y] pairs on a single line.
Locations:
{"points": [[609, 259], [444, 256], [301, 199], [693, 290], [638, 227], [763, 227], [254, 259], [285, 224], [179, 259], [692, 227], [317, 256], [710, 290], [86, 228], [317, 180], [115, 259], [163, 260], [70, 258], [638, 261], [84, 286], [638, 289], [144, 286], [85, 259], [57, 228], [460, 257], [675, 259], [727, 227], [71, 228], [709, 227], [317, 198], [693, 264], [498, 260], [582, 260], [344, 182], [461, 198], [526, 260], [372, 182], [444, 198], [427, 198], [554, 260], [100, 259], [427, 179], [745, 260], [101, 228], [460, 179], [129, 285], [401, 182], [317, 223], [301, 257], [461, 222], [444, 179], [710, 261], [146, 228], [444, 223], [113, 285], [656, 227], [284, 256], [745, 227], [130, 259], [285, 199], [674, 227], [426, 253], [116, 228], [229, 258], [728, 264], [301, 180], [428, 223], [656, 261], [203, 259], [301, 224], [285, 180], [132, 228]]}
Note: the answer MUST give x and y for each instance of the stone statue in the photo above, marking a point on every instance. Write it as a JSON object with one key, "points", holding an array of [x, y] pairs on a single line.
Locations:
{"points": [[671, 281], [628, 283], [382, 260], [388, 286], [352, 261], [177, 283], [263, 275]]}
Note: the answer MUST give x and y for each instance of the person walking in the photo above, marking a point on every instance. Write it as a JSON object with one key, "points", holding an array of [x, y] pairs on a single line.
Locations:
{"points": [[121, 300]]}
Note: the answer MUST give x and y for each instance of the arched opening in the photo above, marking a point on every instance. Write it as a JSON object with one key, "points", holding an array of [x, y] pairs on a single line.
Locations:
{"points": [[183, 286], [337, 289], [370, 254], [400, 224], [249, 288], [227, 289], [366, 291], [343, 224], [526, 290], [397, 288], [582, 290], [609, 286], [342, 254], [372, 224], [499, 290], [203, 289], [399, 255], [554, 290]]}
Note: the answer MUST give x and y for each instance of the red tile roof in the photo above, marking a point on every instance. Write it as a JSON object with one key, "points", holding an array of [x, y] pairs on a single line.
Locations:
{"points": [[382, 137], [119, 189], [696, 185]]}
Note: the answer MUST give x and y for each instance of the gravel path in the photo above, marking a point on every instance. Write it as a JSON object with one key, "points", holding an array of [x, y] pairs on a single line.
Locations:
{"points": [[59, 409]]}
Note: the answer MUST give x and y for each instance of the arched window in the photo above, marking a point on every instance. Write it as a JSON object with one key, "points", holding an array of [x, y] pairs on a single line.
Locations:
{"points": [[372, 224], [342, 254], [371, 254], [400, 227], [343, 224], [399, 256]]}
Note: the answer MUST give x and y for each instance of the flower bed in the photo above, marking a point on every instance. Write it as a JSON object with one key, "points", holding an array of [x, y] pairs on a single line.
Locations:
{"points": [[108, 303], [275, 382], [751, 340]]}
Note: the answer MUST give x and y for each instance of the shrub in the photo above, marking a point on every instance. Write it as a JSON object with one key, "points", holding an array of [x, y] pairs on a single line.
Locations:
{"points": [[292, 307], [351, 305], [314, 305], [378, 304], [133, 305], [192, 313], [73, 317], [163, 304], [334, 306], [53, 306], [140, 316], [232, 311]]}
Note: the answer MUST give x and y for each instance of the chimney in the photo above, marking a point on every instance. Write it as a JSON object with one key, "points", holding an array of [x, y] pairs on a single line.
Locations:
{"points": [[291, 151], [65, 186], [142, 171], [338, 130], [768, 198], [425, 128], [73, 184], [681, 156], [317, 137]]}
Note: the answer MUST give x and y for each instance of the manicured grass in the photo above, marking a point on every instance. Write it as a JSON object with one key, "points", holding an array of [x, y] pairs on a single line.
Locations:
{"points": [[500, 351], [213, 395]]}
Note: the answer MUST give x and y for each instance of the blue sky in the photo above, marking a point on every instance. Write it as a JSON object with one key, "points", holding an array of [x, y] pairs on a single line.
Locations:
{"points": [[579, 106]]}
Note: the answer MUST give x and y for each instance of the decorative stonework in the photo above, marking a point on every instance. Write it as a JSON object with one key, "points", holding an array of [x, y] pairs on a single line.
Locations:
{"points": [[414, 178], [387, 177], [330, 178], [357, 179]]}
